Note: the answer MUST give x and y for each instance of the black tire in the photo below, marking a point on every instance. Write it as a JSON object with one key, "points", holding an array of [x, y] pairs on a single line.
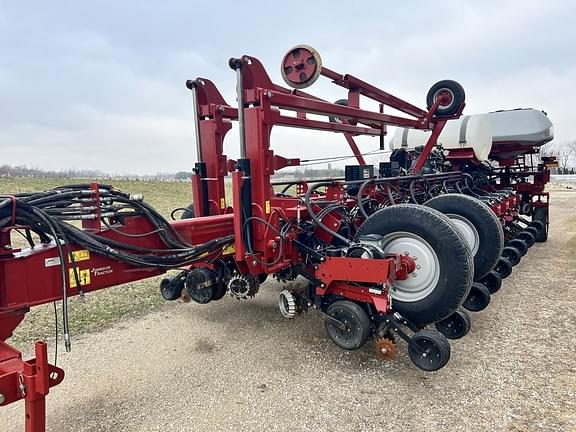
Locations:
{"points": [[512, 255], [458, 97], [188, 213], [456, 326], [519, 245], [435, 346], [540, 214], [532, 230], [332, 119], [195, 279], [463, 208], [492, 281], [219, 291], [478, 299], [538, 225], [503, 268], [527, 238], [357, 322], [171, 288], [454, 260]]}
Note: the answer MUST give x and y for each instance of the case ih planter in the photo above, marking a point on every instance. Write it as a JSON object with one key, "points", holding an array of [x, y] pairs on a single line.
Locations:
{"points": [[384, 254]]}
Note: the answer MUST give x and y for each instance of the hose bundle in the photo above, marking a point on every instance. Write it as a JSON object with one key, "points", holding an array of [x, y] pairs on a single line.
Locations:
{"points": [[47, 214]]}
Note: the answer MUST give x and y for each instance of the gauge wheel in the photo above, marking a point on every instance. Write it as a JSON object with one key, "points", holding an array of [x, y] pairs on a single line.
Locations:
{"points": [[355, 320]]}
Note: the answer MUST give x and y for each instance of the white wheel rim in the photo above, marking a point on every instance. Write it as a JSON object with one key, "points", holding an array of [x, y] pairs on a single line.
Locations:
{"points": [[437, 95], [466, 230], [423, 280]]}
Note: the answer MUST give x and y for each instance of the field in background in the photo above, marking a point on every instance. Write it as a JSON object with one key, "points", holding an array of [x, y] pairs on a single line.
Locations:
{"points": [[103, 308]]}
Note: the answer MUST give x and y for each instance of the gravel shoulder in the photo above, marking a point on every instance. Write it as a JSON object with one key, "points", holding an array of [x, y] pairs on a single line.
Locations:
{"points": [[238, 366]]}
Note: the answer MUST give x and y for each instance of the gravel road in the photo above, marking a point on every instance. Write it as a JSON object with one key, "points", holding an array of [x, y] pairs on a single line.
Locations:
{"points": [[238, 366]]}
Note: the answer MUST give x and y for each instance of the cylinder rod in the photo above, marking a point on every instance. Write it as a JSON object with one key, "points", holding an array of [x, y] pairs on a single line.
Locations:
{"points": [[237, 66], [196, 116]]}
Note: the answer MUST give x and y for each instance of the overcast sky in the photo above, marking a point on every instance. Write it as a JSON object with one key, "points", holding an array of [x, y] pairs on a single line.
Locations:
{"points": [[100, 84]]}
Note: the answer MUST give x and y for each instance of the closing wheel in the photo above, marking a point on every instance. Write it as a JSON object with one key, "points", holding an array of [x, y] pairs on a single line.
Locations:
{"points": [[429, 350], [287, 304], [512, 255], [503, 268], [492, 281], [354, 319], [452, 94], [444, 265], [519, 245], [477, 224], [527, 238], [301, 67], [456, 326], [540, 214], [478, 299]]}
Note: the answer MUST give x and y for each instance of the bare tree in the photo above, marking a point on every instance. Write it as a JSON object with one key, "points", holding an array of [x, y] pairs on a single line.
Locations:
{"points": [[565, 152]]}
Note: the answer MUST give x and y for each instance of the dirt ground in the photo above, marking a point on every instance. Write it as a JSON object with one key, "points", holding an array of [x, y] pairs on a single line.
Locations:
{"points": [[238, 366]]}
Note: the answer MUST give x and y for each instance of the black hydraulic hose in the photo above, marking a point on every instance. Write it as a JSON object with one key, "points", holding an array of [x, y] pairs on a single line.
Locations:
{"points": [[64, 278], [359, 197], [412, 193], [313, 216]]}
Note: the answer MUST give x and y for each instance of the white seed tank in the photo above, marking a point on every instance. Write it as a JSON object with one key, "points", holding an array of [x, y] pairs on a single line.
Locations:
{"points": [[479, 131]]}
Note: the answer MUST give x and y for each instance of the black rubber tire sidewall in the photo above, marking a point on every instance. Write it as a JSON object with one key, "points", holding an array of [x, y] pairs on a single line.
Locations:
{"points": [[459, 97], [361, 316], [541, 214], [439, 340], [489, 228], [188, 213], [456, 263]]}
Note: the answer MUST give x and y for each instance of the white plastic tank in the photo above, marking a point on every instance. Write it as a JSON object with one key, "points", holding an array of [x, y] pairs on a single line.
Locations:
{"points": [[468, 132]]}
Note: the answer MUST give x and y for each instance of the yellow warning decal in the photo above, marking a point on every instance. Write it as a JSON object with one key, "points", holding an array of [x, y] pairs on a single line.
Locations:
{"points": [[267, 207], [83, 276], [229, 250], [81, 255], [222, 203]]}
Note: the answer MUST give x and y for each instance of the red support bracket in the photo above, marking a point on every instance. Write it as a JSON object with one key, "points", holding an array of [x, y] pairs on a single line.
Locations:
{"points": [[29, 380]]}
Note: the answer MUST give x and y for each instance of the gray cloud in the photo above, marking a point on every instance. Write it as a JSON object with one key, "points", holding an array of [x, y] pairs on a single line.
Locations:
{"points": [[100, 83]]}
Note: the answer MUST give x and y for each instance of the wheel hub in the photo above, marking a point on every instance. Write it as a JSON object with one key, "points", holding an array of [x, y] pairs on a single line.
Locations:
{"points": [[423, 280]]}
